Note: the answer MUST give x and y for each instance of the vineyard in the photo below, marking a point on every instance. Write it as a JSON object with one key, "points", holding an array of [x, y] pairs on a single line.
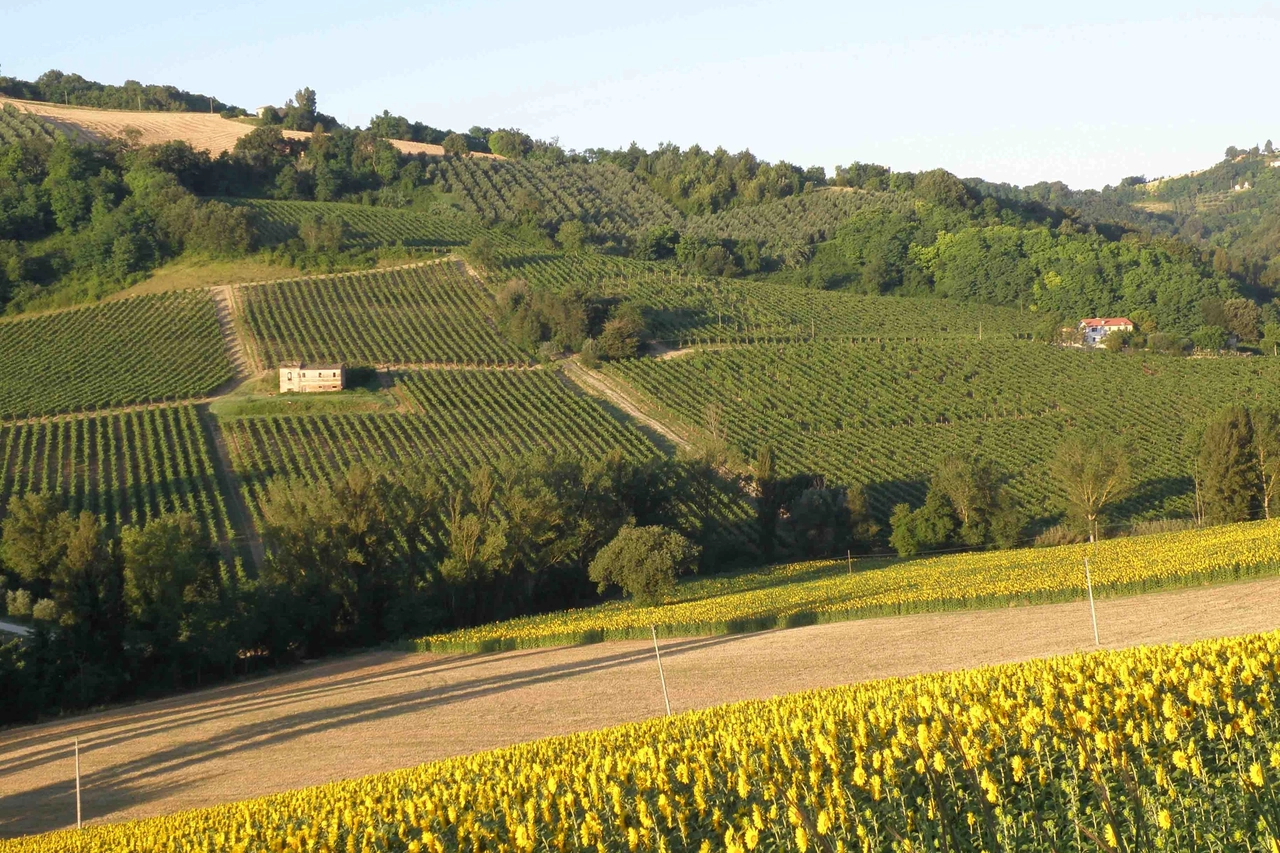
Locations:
{"points": [[610, 198], [1152, 748], [17, 125], [433, 313], [367, 227], [804, 593], [126, 467], [881, 414], [686, 309], [457, 420], [786, 223], [140, 350]]}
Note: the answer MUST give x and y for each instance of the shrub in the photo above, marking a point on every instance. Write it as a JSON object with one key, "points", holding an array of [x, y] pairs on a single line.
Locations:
{"points": [[644, 561], [18, 602]]}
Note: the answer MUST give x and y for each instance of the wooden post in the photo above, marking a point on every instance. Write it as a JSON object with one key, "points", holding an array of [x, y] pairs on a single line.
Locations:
{"points": [[79, 824], [849, 556], [1092, 611], [661, 676]]}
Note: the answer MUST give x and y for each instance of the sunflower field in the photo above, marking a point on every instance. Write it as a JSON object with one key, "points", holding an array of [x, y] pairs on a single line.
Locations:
{"points": [[831, 591], [1155, 748]]}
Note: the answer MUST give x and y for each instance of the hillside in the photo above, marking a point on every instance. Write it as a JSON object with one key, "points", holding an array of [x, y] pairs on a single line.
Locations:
{"points": [[559, 360]]}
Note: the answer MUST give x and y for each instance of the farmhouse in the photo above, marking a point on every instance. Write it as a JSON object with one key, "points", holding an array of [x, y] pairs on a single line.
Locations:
{"points": [[1094, 329], [311, 378]]}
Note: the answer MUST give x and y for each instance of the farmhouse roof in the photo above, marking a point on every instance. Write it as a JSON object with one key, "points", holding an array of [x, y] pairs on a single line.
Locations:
{"points": [[1106, 321], [298, 365]]}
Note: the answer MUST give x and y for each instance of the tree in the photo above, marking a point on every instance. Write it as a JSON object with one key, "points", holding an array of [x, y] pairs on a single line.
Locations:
{"points": [[34, 538], [1114, 341], [572, 236], [1228, 466], [512, 144], [923, 529], [455, 145], [1209, 338], [1093, 475], [822, 521], [644, 562], [1271, 338], [1244, 318], [165, 563], [482, 251], [1265, 425], [623, 335]]}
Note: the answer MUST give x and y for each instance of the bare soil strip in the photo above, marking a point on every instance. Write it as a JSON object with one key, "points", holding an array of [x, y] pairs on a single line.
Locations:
{"points": [[598, 385], [385, 710]]}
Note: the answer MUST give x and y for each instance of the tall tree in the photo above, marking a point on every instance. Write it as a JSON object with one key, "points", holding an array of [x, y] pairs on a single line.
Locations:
{"points": [[1229, 467], [1093, 476], [1265, 423]]}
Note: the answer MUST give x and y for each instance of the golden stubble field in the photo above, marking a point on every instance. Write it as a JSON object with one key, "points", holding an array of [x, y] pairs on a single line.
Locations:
{"points": [[385, 710], [205, 131]]}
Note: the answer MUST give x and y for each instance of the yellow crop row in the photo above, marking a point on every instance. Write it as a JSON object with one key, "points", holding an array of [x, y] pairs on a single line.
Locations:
{"points": [[815, 592], [1156, 748]]}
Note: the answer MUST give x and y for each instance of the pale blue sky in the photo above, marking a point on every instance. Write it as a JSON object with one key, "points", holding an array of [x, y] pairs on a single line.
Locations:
{"points": [[1085, 92]]}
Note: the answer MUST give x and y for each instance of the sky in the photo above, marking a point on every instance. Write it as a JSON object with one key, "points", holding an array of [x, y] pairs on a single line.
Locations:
{"points": [[1087, 92]]}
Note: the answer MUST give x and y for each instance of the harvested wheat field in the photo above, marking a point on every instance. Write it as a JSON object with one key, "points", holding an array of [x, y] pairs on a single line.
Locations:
{"points": [[205, 131], [385, 710]]}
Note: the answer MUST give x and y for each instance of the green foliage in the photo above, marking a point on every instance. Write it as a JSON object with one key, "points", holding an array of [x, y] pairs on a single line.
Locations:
{"points": [[1228, 468], [966, 506], [645, 562], [1093, 476], [139, 350], [60, 88], [623, 334], [1209, 338], [455, 145], [697, 181]]}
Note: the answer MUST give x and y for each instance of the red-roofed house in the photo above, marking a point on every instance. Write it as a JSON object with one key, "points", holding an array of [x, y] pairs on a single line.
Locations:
{"points": [[1097, 328]]}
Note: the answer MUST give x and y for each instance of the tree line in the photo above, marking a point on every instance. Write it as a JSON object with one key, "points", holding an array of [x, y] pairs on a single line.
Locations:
{"points": [[372, 557], [54, 86]]}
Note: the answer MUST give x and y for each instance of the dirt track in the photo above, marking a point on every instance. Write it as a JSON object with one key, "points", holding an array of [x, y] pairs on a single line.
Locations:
{"points": [[388, 710]]}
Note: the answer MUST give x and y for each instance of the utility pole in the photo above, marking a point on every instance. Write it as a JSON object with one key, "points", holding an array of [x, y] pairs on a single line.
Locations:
{"points": [[79, 824], [656, 654]]}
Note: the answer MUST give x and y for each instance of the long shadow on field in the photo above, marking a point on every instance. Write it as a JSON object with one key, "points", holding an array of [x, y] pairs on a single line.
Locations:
{"points": [[194, 709], [142, 779]]}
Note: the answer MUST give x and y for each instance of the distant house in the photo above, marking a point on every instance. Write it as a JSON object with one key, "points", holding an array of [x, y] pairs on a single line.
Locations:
{"points": [[1094, 329], [1239, 188], [311, 378]]}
